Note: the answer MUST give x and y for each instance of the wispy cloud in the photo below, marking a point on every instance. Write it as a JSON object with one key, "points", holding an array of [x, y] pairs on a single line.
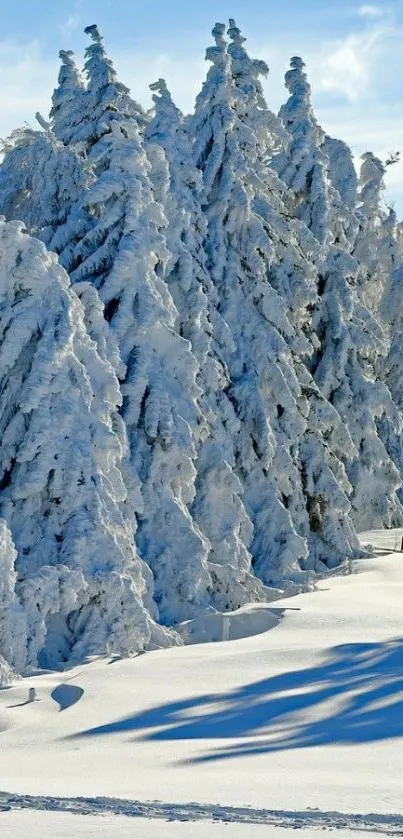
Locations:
{"points": [[370, 11], [26, 81], [346, 66], [71, 24]]}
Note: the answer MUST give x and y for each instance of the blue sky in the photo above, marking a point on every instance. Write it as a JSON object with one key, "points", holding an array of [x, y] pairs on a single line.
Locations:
{"points": [[352, 51]]}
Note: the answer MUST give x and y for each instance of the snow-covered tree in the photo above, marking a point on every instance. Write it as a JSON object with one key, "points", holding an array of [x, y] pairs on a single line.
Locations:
{"points": [[348, 333], [349, 337], [13, 629], [317, 170], [263, 387], [389, 367], [124, 256], [218, 507], [80, 581], [43, 183], [247, 73], [372, 236], [82, 114], [302, 165], [17, 171], [69, 101], [318, 507], [179, 190], [107, 99], [324, 448], [341, 170], [292, 270], [371, 186]]}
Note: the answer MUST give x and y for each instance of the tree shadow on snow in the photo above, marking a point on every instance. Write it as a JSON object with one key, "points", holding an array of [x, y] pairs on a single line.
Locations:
{"points": [[66, 695], [355, 696]]}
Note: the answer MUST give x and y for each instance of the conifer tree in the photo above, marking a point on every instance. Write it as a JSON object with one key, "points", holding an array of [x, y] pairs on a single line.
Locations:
{"points": [[218, 507], [341, 170], [13, 629], [124, 256], [69, 100], [343, 370], [82, 114], [246, 74], [317, 506], [20, 152], [302, 165], [80, 582], [389, 368], [44, 184], [179, 189], [292, 270], [262, 379], [347, 331], [374, 267], [108, 99]]}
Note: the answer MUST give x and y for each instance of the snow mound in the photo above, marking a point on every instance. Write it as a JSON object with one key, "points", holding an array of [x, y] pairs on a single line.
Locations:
{"points": [[229, 626]]}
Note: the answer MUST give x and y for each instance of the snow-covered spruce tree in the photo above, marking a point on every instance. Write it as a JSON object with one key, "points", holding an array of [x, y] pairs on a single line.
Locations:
{"points": [[390, 261], [312, 478], [20, 152], [324, 446], [246, 73], [301, 165], [292, 270], [371, 186], [107, 99], [124, 255], [80, 582], [343, 370], [13, 629], [341, 170], [307, 165], [389, 368], [369, 245], [389, 250], [377, 253], [43, 184], [348, 333], [217, 508], [69, 101], [263, 386], [178, 188], [319, 171]]}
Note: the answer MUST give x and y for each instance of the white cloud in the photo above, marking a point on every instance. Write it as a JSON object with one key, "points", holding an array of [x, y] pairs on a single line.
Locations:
{"points": [[346, 66], [370, 11], [27, 79], [70, 25]]}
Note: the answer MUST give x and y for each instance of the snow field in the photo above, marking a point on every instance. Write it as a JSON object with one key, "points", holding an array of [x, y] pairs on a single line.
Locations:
{"points": [[305, 715]]}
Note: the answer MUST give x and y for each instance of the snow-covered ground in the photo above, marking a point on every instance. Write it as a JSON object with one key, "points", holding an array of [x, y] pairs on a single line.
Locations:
{"points": [[298, 727]]}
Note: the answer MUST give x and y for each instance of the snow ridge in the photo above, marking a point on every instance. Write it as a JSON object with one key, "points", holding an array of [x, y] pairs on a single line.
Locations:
{"points": [[384, 824]]}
